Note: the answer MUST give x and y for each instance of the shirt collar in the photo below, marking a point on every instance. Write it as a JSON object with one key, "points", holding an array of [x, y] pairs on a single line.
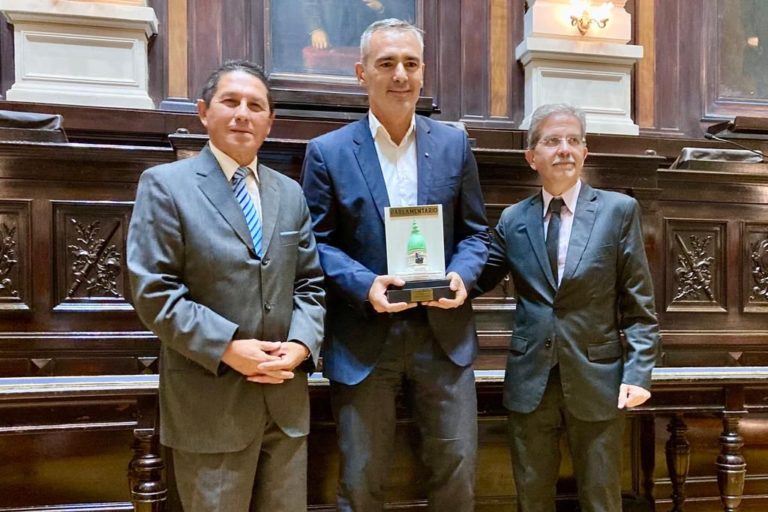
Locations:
{"points": [[229, 166], [569, 198], [376, 127]]}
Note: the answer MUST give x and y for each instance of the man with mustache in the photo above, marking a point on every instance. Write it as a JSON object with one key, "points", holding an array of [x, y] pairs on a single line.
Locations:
{"points": [[374, 348], [581, 278]]}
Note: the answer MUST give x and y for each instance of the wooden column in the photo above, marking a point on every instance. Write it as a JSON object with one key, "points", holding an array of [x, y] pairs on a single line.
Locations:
{"points": [[678, 451], [145, 471], [731, 466]]}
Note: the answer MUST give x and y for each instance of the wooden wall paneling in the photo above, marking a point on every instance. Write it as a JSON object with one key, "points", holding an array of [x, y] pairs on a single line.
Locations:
{"points": [[15, 254], [507, 78], [446, 74], [237, 27], [473, 73], [82, 332], [206, 33], [697, 334], [754, 294], [500, 57], [645, 77], [177, 69], [696, 266], [89, 239], [157, 55], [668, 70]]}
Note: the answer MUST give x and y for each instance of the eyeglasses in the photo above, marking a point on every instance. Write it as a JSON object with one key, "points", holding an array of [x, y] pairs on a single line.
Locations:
{"points": [[553, 142]]}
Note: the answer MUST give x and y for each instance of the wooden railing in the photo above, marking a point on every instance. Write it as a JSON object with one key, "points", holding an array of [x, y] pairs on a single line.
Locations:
{"points": [[677, 393]]}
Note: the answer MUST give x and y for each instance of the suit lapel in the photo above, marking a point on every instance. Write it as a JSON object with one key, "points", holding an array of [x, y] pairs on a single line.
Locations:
{"points": [[534, 227], [424, 148], [270, 204], [214, 185], [583, 221], [368, 160]]}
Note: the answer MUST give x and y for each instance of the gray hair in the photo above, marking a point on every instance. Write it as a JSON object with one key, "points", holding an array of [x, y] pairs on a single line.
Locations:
{"points": [[393, 24], [542, 113]]}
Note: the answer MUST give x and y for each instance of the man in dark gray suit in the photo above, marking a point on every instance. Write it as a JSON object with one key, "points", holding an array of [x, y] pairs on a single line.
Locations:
{"points": [[581, 278], [225, 272]]}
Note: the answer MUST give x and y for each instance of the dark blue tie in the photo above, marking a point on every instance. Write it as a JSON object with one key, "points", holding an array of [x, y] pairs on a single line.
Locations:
{"points": [[553, 233], [252, 218]]}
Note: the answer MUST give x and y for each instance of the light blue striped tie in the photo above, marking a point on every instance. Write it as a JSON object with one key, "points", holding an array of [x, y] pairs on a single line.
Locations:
{"points": [[249, 209]]}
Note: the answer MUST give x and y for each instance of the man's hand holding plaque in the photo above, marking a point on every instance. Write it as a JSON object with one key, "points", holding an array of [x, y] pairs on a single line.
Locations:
{"points": [[377, 295], [416, 257]]}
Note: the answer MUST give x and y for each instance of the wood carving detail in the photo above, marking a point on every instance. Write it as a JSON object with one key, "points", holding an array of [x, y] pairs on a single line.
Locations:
{"points": [[8, 260], [90, 270], [694, 270], [14, 255], [95, 264], [759, 257]]}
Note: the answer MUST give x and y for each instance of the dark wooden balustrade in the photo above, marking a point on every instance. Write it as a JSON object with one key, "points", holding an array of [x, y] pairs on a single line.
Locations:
{"points": [[678, 393]]}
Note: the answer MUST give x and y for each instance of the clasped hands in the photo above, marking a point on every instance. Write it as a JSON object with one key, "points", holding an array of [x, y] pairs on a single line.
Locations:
{"points": [[265, 362], [377, 295]]}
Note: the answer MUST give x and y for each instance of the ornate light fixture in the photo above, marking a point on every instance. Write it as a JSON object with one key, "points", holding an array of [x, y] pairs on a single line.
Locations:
{"points": [[583, 15]]}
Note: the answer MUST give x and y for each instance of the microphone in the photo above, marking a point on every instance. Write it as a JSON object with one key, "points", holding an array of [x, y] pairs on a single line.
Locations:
{"points": [[720, 139]]}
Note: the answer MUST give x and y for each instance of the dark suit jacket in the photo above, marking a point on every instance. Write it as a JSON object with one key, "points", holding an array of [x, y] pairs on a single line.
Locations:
{"points": [[606, 288], [346, 194], [197, 285]]}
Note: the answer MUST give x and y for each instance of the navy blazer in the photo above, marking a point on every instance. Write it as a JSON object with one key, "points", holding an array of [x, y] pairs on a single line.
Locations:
{"points": [[606, 289], [346, 194]]}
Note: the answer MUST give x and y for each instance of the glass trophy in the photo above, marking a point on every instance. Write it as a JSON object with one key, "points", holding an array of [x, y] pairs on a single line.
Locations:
{"points": [[416, 253]]}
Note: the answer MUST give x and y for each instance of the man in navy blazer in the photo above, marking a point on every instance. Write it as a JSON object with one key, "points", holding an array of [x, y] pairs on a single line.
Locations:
{"points": [[374, 348], [581, 278]]}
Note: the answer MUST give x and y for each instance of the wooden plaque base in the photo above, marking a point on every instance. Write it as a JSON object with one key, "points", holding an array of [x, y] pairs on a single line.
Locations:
{"points": [[421, 291]]}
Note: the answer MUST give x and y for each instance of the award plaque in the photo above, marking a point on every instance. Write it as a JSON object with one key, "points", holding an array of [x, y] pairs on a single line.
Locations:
{"points": [[416, 254]]}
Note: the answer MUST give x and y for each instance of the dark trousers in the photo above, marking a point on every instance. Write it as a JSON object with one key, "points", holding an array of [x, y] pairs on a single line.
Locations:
{"points": [[444, 406], [270, 475], [595, 448]]}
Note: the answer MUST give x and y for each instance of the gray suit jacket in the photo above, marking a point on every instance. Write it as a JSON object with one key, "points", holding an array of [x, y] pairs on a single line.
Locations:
{"points": [[197, 284], [606, 289]]}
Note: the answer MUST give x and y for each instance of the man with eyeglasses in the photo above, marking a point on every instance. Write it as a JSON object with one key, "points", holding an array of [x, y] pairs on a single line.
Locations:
{"points": [[581, 278]]}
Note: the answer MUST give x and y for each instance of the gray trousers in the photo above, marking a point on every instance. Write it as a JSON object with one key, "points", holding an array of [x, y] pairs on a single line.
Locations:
{"points": [[444, 406], [595, 448], [269, 475]]}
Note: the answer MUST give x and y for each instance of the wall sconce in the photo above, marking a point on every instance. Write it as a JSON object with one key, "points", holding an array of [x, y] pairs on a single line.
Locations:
{"points": [[583, 15]]}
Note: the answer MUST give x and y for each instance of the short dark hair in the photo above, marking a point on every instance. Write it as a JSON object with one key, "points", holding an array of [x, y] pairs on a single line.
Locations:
{"points": [[209, 90]]}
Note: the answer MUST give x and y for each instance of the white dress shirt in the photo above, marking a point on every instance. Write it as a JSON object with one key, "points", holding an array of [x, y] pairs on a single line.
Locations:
{"points": [[569, 197], [229, 166], [398, 162]]}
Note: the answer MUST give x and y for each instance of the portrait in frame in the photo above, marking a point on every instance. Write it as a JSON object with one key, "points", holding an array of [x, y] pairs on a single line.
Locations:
{"points": [[322, 37]]}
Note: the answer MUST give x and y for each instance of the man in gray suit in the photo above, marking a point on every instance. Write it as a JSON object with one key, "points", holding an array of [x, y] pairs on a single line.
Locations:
{"points": [[225, 272], [581, 277]]}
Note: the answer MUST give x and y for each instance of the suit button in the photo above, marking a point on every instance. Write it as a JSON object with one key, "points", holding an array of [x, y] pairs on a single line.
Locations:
{"points": [[265, 262], [268, 307], [548, 343]]}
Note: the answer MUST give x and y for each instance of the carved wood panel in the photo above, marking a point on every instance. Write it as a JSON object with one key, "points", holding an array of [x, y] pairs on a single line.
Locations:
{"points": [[89, 255], [14, 255], [755, 265], [695, 266]]}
